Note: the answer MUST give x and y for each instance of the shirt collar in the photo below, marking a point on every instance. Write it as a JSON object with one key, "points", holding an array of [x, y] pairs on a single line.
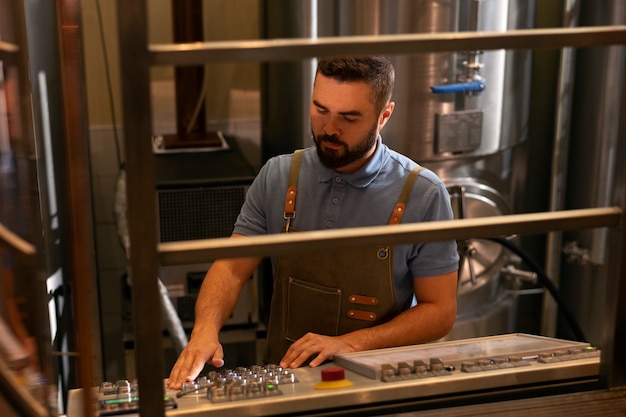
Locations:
{"points": [[365, 175]]}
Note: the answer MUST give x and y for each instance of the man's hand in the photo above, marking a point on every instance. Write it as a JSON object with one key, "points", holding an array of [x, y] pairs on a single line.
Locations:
{"points": [[431, 319], [311, 344], [217, 299], [192, 360]]}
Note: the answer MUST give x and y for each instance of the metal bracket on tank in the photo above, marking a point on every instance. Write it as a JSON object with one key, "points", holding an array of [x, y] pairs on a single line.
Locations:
{"points": [[519, 275], [576, 254]]}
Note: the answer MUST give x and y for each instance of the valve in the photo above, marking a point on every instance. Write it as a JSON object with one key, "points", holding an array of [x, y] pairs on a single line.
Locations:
{"points": [[475, 86], [471, 81]]}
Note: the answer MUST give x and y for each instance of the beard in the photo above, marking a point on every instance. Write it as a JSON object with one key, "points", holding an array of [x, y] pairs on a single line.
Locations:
{"points": [[339, 158]]}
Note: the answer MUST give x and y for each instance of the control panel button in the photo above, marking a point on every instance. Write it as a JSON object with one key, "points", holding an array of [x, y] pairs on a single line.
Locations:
{"points": [[333, 378], [418, 369]]}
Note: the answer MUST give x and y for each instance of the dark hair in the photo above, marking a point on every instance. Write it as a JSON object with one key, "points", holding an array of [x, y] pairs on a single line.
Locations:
{"points": [[377, 71]]}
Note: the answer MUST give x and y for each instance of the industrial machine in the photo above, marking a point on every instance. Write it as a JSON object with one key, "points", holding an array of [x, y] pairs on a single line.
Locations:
{"points": [[199, 195], [380, 381]]}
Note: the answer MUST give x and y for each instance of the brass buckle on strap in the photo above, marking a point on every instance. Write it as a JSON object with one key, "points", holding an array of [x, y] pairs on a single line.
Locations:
{"points": [[288, 217]]}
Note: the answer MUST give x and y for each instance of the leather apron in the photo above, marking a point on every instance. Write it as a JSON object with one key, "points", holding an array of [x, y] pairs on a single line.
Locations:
{"points": [[330, 293]]}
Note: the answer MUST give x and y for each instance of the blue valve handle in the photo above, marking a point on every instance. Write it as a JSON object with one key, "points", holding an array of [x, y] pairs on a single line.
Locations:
{"points": [[472, 86]]}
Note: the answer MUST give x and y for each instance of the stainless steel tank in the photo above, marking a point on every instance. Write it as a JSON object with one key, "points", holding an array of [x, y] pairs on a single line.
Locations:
{"points": [[433, 124], [595, 177], [464, 115]]}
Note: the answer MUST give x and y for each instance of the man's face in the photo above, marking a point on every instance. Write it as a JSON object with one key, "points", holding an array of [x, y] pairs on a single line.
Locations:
{"points": [[345, 123]]}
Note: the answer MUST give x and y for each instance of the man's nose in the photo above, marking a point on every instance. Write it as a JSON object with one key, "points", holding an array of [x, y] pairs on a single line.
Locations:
{"points": [[331, 127]]}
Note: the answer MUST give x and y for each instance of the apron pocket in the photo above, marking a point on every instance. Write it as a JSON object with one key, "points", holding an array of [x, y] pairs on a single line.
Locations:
{"points": [[312, 308]]}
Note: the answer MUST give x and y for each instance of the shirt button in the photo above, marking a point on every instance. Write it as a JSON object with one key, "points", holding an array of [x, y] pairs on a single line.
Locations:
{"points": [[329, 223], [335, 200], [337, 179]]}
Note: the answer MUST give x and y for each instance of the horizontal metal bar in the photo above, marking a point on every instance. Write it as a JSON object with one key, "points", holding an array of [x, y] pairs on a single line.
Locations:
{"points": [[68, 354], [16, 243], [300, 48], [199, 251], [8, 52]]}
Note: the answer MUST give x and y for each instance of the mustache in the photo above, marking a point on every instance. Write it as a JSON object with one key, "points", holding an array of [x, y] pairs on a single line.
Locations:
{"points": [[329, 138]]}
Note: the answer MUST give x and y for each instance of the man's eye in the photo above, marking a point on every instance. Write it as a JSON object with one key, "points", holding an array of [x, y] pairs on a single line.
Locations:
{"points": [[349, 119]]}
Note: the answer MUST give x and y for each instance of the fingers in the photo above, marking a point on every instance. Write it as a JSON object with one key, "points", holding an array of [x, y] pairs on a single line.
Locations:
{"points": [[218, 358], [294, 359], [319, 359], [311, 345], [295, 355], [186, 369], [190, 363]]}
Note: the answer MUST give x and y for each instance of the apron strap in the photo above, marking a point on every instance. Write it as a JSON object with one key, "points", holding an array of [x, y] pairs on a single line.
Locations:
{"points": [[292, 191], [398, 210], [290, 197]]}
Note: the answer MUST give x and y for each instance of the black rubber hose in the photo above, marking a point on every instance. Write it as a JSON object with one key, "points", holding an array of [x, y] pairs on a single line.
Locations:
{"points": [[547, 283]]}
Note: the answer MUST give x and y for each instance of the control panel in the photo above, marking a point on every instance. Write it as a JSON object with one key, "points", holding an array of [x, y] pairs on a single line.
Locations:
{"points": [[383, 377], [240, 384]]}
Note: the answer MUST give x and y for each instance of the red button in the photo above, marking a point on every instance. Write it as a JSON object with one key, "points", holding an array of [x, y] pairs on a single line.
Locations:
{"points": [[333, 374]]}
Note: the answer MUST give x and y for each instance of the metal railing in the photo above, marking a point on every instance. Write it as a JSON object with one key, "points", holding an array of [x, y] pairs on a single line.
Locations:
{"points": [[300, 48], [199, 251]]}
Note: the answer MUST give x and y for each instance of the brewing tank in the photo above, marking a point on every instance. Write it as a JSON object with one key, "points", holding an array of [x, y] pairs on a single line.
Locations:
{"points": [[462, 114], [440, 113]]}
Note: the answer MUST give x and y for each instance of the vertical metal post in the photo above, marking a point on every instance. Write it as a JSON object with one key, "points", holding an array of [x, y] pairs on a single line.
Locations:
{"points": [[140, 168], [26, 128], [617, 361], [595, 137], [187, 22], [286, 86], [558, 174], [80, 239]]}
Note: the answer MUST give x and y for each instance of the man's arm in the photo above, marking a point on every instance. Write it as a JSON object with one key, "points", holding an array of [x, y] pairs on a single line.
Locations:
{"points": [[431, 319], [216, 301]]}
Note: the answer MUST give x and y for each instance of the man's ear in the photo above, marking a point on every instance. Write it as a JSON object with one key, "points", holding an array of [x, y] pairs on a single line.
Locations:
{"points": [[385, 114]]}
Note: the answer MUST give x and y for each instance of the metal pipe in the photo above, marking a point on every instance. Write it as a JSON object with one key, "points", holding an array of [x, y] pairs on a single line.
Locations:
{"points": [[559, 164], [609, 132], [302, 48], [191, 252], [286, 85]]}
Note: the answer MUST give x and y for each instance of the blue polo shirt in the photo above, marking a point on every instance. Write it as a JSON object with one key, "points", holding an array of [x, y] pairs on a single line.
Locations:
{"points": [[330, 200]]}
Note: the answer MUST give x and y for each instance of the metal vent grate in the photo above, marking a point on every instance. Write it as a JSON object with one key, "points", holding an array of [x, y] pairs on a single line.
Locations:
{"points": [[198, 213]]}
